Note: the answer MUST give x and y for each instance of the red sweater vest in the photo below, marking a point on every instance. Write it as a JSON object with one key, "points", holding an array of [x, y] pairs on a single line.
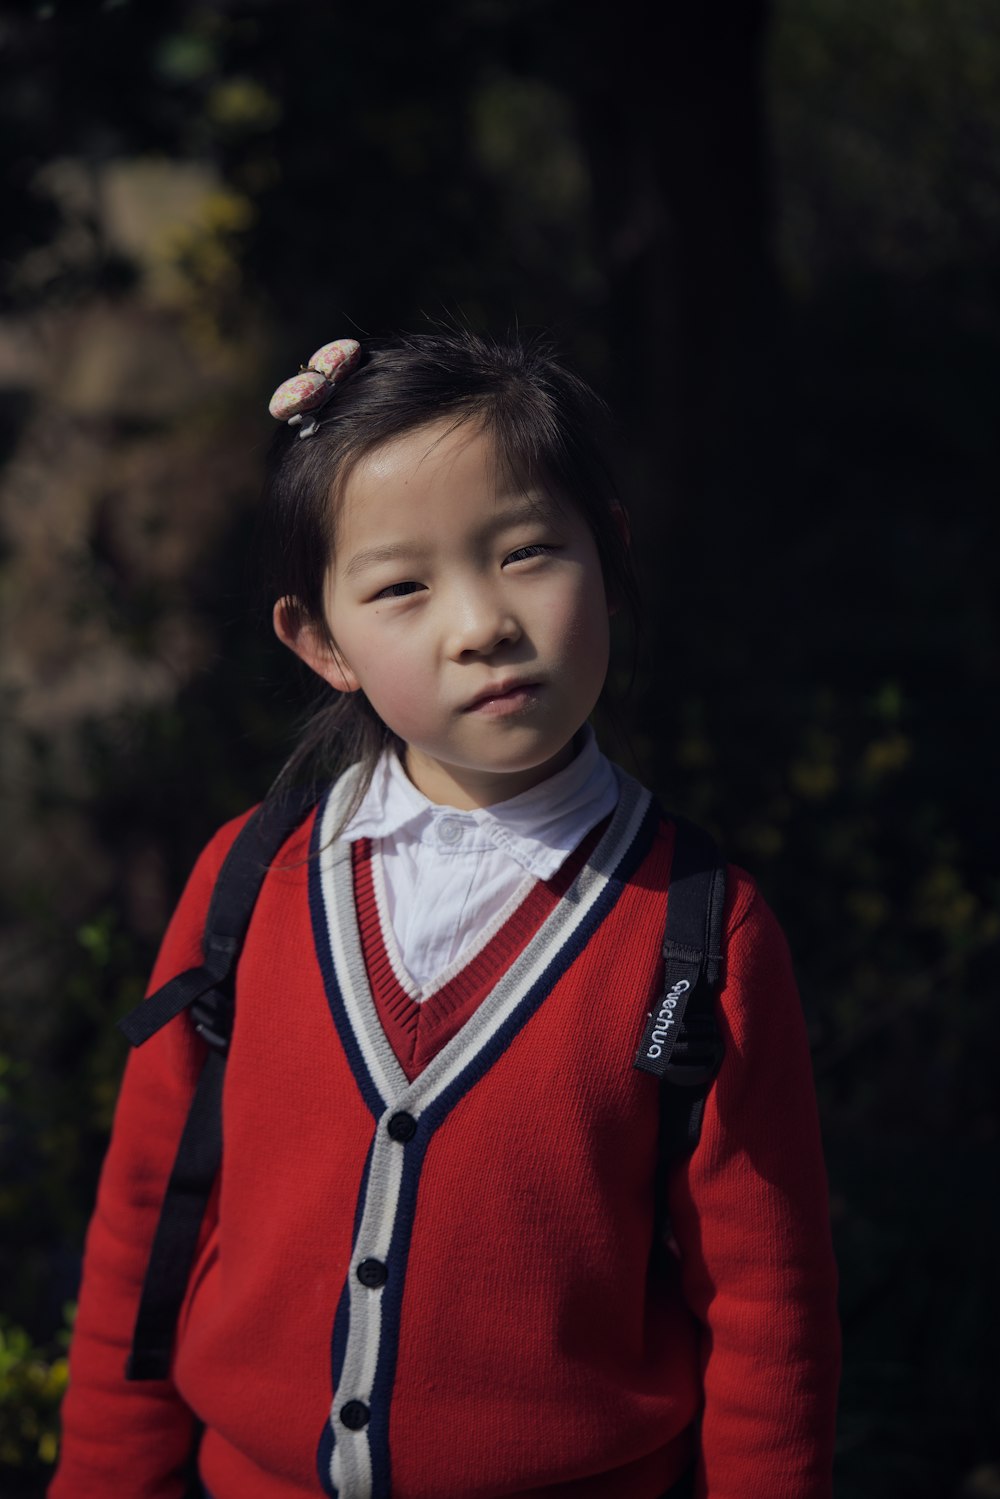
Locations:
{"points": [[440, 1286]]}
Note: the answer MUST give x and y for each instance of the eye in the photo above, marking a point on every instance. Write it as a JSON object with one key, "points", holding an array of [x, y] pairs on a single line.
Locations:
{"points": [[524, 554], [398, 590]]}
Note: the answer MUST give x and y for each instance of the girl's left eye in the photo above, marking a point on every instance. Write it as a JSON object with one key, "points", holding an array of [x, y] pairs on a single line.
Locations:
{"points": [[398, 590], [522, 554]]}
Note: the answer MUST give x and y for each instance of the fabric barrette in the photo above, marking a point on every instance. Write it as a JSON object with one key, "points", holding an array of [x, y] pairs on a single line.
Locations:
{"points": [[299, 399]]}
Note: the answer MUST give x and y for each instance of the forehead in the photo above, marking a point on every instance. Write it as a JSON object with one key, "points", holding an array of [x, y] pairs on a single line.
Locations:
{"points": [[432, 466], [425, 452]]}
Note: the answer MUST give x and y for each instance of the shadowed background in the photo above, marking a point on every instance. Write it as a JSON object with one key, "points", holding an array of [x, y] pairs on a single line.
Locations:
{"points": [[770, 236]]}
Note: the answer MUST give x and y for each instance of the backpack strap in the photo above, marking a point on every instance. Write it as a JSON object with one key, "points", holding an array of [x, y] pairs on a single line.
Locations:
{"points": [[681, 1044], [209, 991]]}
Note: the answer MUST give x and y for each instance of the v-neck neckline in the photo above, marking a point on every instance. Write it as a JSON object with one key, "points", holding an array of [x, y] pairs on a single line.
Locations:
{"points": [[418, 1028], [510, 1001]]}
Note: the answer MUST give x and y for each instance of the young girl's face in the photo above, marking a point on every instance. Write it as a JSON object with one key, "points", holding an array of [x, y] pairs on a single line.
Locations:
{"points": [[471, 614]]}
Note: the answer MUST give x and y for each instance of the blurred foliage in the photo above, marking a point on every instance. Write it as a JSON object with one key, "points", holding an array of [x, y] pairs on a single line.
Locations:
{"points": [[32, 1381], [803, 365], [887, 129]]}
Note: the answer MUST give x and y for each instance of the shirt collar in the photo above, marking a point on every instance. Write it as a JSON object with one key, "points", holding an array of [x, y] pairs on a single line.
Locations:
{"points": [[539, 829]]}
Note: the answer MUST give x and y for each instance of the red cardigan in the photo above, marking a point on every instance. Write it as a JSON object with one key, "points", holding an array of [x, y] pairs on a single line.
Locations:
{"points": [[439, 1287]]}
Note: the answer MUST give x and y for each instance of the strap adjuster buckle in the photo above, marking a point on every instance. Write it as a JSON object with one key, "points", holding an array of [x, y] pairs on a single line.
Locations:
{"points": [[212, 1015]]}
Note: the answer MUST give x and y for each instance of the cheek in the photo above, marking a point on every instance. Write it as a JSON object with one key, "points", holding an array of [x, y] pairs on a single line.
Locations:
{"points": [[587, 644], [581, 620], [396, 689]]}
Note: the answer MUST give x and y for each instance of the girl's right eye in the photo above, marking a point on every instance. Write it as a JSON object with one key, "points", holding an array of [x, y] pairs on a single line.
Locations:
{"points": [[397, 591]]}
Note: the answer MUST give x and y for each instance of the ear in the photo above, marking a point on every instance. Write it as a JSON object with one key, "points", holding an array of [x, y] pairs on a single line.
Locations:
{"points": [[310, 643]]}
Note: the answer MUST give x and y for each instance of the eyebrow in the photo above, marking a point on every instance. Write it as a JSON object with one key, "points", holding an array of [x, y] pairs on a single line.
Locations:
{"points": [[371, 556], [529, 504], [511, 515]]}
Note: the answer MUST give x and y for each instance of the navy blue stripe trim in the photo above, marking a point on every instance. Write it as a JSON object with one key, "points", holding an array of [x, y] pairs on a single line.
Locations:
{"points": [[341, 1329], [324, 953], [392, 1305], [323, 1461]]}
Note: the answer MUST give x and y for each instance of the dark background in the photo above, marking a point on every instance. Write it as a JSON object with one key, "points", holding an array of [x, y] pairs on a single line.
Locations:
{"points": [[769, 236]]}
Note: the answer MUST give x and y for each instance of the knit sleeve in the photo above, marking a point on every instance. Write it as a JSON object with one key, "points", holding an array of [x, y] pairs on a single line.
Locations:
{"points": [[751, 1217], [133, 1439]]}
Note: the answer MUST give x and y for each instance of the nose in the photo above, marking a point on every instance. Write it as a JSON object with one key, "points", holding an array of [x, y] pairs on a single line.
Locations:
{"points": [[480, 622]]}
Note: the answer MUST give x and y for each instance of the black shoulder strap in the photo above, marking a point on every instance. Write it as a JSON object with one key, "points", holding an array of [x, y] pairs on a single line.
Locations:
{"points": [[209, 990], [681, 1044]]}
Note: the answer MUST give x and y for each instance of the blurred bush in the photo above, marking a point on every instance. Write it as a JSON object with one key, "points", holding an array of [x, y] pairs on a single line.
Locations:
{"points": [[32, 1382]]}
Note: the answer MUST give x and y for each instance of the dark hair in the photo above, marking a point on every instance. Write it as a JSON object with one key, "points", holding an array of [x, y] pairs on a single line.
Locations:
{"points": [[544, 422]]}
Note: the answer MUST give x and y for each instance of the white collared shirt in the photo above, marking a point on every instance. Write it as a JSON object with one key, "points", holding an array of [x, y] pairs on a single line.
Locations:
{"points": [[446, 880]]}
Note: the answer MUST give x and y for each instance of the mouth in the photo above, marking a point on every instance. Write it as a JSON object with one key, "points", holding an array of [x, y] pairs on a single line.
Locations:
{"points": [[503, 697]]}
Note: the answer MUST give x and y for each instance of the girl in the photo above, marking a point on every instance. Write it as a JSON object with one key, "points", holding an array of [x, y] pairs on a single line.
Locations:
{"points": [[427, 1270]]}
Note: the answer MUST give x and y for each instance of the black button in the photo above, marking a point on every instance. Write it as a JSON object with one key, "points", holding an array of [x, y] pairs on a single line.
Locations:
{"points": [[354, 1415], [402, 1127], [372, 1273]]}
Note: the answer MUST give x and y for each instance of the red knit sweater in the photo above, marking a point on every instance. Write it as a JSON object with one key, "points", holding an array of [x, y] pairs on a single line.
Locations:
{"points": [[510, 1339]]}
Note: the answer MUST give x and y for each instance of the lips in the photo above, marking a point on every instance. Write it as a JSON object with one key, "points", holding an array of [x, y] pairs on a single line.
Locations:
{"points": [[499, 693]]}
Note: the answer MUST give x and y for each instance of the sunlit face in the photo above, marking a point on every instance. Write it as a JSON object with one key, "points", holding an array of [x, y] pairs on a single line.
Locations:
{"points": [[472, 615]]}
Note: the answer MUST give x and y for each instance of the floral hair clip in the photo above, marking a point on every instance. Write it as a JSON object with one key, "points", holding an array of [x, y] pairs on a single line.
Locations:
{"points": [[299, 399]]}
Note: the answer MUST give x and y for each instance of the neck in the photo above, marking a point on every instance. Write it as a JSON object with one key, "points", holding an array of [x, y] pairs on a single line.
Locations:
{"points": [[466, 787]]}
